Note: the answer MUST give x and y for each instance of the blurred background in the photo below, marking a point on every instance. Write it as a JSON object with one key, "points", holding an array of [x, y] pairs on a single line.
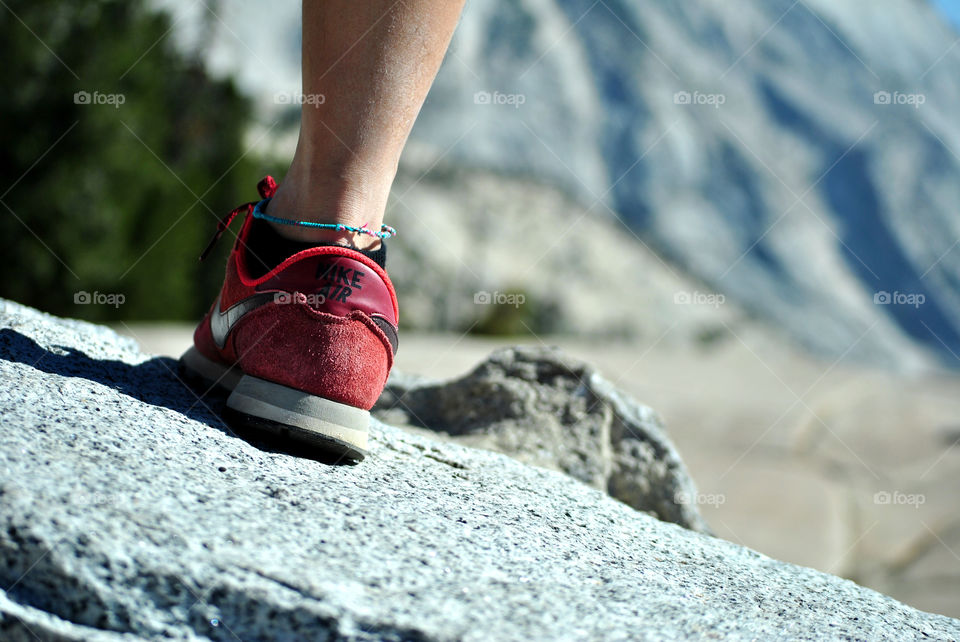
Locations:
{"points": [[743, 212]]}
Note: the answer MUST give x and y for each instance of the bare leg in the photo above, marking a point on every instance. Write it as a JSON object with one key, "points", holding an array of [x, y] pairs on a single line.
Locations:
{"points": [[373, 62]]}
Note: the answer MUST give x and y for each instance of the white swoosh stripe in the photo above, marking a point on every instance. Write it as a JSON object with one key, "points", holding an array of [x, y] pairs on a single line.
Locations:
{"points": [[221, 322]]}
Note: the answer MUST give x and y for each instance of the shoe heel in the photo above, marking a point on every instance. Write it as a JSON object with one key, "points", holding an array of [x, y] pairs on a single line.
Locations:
{"points": [[334, 427]]}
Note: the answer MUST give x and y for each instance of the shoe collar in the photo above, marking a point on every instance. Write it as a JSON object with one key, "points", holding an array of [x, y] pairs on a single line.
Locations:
{"points": [[239, 256]]}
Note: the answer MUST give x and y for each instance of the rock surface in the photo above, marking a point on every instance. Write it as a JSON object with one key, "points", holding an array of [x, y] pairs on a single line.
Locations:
{"points": [[126, 507], [546, 409]]}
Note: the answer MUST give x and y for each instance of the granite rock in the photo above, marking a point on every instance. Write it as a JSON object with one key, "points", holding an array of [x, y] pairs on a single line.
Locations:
{"points": [[129, 511]]}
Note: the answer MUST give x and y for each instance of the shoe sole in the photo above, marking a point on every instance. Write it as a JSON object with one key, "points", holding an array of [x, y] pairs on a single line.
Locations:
{"points": [[261, 405], [209, 375]]}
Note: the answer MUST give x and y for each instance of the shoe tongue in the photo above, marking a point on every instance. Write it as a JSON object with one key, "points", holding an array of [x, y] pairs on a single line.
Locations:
{"points": [[266, 249]]}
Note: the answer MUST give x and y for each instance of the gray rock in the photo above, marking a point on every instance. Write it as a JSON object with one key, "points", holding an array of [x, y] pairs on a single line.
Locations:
{"points": [[127, 510], [546, 409]]}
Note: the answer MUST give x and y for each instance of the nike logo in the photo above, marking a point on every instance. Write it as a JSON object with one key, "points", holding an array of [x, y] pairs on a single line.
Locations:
{"points": [[221, 322]]}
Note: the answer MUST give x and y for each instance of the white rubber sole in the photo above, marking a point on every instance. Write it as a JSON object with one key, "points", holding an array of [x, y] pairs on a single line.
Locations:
{"points": [[263, 405], [203, 371]]}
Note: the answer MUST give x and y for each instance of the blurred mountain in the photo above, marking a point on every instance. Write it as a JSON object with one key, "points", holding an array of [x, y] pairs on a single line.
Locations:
{"points": [[488, 253], [798, 156]]}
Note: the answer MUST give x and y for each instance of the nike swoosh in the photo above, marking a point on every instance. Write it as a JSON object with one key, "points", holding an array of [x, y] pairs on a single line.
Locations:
{"points": [[222, 321]]}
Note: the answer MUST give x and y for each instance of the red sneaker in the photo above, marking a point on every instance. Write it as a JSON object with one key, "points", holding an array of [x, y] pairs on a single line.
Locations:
{"points": [[305, 349]]}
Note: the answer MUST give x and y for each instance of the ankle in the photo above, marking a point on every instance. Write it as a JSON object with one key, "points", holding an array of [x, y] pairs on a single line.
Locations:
{"points": [[345, 234], [356, 199]]}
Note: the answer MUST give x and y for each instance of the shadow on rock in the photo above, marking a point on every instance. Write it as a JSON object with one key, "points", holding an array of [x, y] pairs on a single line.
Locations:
{"points": [[156, 382]]}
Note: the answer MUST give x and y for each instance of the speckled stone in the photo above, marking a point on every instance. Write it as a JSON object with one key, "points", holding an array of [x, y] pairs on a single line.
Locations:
{"points": [[127, 511]]}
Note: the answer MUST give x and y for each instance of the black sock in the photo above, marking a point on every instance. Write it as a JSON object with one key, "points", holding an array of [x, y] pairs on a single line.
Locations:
{"points": [[266, 249]]}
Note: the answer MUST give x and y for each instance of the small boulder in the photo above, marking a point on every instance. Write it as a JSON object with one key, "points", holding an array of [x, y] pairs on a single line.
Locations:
{"points": [[544, 408]]}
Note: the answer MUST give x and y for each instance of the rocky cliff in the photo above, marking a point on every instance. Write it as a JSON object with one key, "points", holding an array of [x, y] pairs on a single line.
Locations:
{"points": [[800, 157]]}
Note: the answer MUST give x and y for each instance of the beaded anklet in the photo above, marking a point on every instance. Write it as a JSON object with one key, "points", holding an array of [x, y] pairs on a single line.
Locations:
{"points": [[384, 233], [267, 187]]}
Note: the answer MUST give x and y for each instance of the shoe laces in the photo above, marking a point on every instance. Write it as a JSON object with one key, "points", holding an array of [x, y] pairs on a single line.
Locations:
{"points": [[267, 187]]}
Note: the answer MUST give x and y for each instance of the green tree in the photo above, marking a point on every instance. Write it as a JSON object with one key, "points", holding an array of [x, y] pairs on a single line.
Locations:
{"points": [[119, 153]]}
